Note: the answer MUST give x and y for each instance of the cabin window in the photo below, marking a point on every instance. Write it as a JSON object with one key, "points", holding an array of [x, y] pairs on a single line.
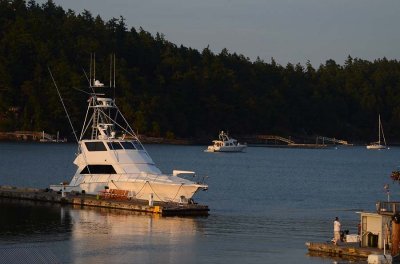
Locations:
{"points": [[137, 145], [98, 169], [114, 145], [128, 145], [95, 146]]}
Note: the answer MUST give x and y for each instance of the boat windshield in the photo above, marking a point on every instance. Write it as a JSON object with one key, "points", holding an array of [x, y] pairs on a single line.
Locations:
{"points": [[114, 145], [137, 145], [95, 146], [127, 145], [98, 169]]}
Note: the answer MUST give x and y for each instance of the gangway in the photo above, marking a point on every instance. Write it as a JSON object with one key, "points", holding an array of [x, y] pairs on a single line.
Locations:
{"points": [[274, 137], [333, 140]]}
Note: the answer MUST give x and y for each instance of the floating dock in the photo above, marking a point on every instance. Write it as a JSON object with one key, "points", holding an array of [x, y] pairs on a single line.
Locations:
{"points": [[343, 250], [161, 208]]}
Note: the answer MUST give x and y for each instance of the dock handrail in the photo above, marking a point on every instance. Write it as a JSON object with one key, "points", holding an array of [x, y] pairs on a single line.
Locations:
{"points": [[274, 137], [333, 140], [388, 208]]}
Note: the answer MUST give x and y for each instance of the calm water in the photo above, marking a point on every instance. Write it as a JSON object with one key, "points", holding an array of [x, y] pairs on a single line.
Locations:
{"points": [[265, 204]]}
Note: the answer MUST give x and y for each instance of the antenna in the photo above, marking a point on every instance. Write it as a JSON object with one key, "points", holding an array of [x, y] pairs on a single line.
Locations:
{"points": [[114, 71], [110, 68], [90, 74], [94, 68], [114, 74], [62, 102]]}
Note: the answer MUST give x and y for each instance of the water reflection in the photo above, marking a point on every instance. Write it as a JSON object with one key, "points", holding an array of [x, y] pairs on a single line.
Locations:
{"points": [[264, 204], [31, 221], [98, 235], [105, 235], [336, 259]]}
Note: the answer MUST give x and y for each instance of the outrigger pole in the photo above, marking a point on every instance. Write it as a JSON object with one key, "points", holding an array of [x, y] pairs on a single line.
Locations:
{"points": [[62, 102]]}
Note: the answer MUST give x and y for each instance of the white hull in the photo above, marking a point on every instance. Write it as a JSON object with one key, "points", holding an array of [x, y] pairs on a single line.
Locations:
{"points": [[239, 148], [376, 147], [163, 192]]}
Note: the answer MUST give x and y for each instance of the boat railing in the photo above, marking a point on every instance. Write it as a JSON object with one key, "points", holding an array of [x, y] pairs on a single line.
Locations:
{"points": [[150, 177], [198, 179], [388, 208]]}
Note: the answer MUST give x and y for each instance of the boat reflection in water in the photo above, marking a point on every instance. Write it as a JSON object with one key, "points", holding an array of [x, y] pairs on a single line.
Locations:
{"points": [[101, 235], [97, 235]]}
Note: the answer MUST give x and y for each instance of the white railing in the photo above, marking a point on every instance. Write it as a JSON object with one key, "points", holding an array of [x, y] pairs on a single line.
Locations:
{"points": [[143, 177]]}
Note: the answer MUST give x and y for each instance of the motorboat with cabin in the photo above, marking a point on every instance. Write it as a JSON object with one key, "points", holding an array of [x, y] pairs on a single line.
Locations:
{"points": [[111, 156], [226, 144]]}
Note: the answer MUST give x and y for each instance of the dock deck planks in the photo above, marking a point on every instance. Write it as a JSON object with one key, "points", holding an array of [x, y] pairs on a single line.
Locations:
{"points": [[344, 249]]}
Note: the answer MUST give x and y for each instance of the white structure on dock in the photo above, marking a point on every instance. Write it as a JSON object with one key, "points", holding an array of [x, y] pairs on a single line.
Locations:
{"points": [[378, 239], [375, 229]]}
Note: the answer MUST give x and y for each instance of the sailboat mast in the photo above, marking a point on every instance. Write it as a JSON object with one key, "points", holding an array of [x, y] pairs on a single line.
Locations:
{"points": [[379, 129], [383, 134]]}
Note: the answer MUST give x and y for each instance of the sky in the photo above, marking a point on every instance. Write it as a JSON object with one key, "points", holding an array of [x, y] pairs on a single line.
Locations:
{"points": [[290, 31]]}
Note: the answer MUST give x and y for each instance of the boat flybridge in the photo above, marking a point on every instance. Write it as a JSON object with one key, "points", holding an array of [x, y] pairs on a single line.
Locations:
{"points": [[111, 156]]}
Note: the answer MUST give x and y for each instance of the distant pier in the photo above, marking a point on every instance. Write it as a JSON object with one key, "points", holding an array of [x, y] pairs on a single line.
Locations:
{"points": [[22, 135], [282, 142], [160, 208], [31, 136]]}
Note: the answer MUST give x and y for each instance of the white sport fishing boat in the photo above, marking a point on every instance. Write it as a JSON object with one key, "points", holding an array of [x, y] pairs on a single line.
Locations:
{"points": [[110, 156], [226, 144]]}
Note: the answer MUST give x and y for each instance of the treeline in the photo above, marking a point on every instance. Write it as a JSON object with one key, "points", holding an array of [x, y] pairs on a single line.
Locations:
{"points": [[175, 91]]}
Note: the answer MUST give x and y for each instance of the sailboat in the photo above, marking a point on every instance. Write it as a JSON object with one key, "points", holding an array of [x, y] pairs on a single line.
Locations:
{"points": [[378, 145], [110, 156]]}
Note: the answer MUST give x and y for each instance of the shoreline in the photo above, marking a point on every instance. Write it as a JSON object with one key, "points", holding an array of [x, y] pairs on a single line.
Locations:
{"points": [[252, 141]]}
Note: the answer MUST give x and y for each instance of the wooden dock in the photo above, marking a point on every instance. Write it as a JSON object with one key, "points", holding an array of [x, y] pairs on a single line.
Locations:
{"points": [[343, 250], [161, 208]]}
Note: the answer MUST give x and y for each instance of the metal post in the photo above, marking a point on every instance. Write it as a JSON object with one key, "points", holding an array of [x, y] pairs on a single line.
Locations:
{"points": [[151, 201], [387, 189]]}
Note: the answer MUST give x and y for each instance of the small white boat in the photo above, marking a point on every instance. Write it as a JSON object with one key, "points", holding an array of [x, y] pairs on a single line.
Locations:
{"points": [[110, 156], [226, 144], [378, 145]]}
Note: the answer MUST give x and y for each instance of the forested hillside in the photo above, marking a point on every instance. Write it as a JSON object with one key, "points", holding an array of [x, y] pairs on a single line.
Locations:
{"points": [[175, 91]]}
